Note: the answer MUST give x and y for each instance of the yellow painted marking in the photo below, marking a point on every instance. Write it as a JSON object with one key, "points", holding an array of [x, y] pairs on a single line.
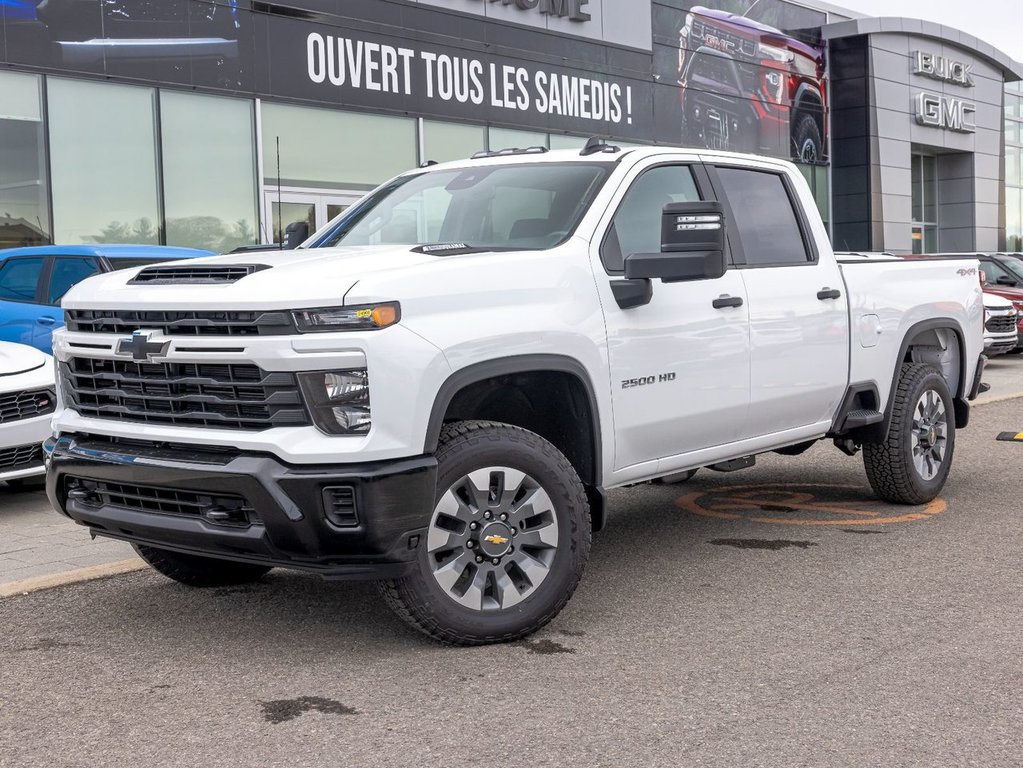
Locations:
{"points": [[736, 502]]}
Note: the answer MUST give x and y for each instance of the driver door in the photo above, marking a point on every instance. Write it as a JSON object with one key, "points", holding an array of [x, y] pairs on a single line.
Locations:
{"points": [[680, 367]]}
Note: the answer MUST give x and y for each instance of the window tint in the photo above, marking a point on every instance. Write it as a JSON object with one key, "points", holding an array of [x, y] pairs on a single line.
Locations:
{"points": [[637, 223], [67, 271], [993, 271], [19, 278], [764, 217]]}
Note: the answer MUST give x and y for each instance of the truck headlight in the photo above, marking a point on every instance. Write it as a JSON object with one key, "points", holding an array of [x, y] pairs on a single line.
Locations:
{"points": [[338, 400], [365, 317]]}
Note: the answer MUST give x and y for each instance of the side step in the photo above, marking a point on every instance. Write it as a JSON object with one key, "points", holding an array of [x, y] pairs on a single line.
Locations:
{"points": [[734, 464], [862, 418]]}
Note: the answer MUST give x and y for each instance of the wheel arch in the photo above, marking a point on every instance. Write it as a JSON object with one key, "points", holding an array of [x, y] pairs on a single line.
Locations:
{"points": [[925, 334], [518, 390]]}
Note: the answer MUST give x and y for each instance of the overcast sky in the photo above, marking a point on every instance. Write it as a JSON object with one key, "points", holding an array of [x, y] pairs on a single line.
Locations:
{"points": [[998, 22]]}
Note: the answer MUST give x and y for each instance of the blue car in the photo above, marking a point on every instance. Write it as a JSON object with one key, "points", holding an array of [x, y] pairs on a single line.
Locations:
{"points": [[33, 281]]}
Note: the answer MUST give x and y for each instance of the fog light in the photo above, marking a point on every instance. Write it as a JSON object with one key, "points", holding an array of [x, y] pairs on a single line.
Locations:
{"points": [[338, 400]]}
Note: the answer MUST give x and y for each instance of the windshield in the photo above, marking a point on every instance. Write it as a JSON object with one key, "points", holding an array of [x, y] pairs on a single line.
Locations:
{"points": [[503, 207]]}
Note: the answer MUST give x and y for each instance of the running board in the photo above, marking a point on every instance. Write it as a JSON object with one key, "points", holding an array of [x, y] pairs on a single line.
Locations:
{"points": [[862, 418], [733, 465]]}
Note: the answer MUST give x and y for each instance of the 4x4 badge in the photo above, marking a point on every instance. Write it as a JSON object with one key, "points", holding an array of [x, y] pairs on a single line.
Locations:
{"points": [[141, 347]]}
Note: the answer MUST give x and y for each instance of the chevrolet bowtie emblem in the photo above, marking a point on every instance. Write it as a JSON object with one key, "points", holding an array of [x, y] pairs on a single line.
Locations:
{"points": [[495, 539], [141, 347]]}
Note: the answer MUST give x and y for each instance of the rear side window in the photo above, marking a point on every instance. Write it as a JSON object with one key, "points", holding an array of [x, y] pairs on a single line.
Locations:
{"points": [[764, 218], [19, 278], [67, 271], [637, 223]]}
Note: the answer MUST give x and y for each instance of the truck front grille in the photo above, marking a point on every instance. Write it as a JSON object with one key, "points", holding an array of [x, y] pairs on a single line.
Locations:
{"points": [[222, 509], [1002, 324], [25, 405], [185, 323], [723, 40], [219, 396]]}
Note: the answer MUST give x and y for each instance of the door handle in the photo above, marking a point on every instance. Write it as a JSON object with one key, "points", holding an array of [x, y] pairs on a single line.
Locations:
{"points": [[829, 293], [45, 320], [727, 301]]}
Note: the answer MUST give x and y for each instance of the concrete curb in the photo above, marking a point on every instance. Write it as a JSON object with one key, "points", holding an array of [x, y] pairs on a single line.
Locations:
{"points": [[997, 399], [52, 580]]}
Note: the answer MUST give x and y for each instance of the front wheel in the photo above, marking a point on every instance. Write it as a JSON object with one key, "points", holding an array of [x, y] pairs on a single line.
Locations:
{"points": [[507, 542], [196, 571], [911, 465]]}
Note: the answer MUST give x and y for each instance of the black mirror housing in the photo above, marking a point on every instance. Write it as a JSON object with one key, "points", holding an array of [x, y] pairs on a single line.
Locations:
{"points": [[296, 233], [692, 245]]}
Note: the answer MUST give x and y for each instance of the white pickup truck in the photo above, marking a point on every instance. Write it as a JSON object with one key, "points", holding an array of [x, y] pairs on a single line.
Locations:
{"points": [[440, 398]]}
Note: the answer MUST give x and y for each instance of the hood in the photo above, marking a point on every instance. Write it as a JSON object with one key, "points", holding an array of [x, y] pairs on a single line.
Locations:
{"points": [[19, 358], [993, 301], [1005, 291], [278, 279], [756, 30]]}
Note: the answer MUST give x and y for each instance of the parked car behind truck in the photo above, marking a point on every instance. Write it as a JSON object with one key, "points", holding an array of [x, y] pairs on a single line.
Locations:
{"points": [[442, 405], [33, 281]]}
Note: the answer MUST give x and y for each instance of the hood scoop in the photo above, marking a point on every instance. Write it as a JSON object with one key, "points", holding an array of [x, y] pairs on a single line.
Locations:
{"points": [[196, 274]]}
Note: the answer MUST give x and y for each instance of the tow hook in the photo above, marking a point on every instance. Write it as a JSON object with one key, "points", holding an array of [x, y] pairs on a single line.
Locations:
{"points": [[847, 445]]}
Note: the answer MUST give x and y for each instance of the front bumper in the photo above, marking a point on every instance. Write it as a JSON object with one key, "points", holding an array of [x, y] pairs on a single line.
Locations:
{"points": [[287, 525]]}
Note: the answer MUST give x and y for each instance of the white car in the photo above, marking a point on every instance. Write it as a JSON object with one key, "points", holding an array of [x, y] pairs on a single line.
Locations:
{"points": [[999, 325], [27, 401]]}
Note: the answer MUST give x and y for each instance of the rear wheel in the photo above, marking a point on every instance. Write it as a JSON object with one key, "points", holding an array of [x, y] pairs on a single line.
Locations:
{"points": [[507, 542], [807, 139], [911, 465], [196, 571]]}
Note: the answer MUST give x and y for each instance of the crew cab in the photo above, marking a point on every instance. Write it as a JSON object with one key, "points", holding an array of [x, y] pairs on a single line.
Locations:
{"points": [[440, 396]]}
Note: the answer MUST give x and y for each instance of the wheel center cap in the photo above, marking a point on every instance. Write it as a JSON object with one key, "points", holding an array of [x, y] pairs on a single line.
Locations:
{"points": [[495, 539]]}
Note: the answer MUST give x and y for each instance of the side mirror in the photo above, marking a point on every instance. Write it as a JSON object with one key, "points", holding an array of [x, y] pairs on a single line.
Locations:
{"points": [[1005, 280], [692, 245], [296, 233]]}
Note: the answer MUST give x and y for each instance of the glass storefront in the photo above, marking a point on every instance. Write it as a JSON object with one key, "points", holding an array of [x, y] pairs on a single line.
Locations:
{"points": [[103, 161], [451, 141], [200, 133], [1013, 169], [24, 210], [925, 204], [312, 147]]}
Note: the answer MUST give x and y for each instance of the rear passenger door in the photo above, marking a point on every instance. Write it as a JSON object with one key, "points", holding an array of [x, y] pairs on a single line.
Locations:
{"points": [[799, 320]]}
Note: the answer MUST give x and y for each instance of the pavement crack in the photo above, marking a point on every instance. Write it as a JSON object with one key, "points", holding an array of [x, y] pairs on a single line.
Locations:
{"points": [[47, 644], [762, 543]]}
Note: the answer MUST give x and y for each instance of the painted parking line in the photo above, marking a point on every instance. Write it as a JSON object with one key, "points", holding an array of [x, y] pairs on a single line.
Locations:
{"points": [[802, 504], [76, 576], [1011, 437]]}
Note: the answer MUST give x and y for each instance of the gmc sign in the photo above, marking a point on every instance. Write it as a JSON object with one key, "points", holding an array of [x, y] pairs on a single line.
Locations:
{"points": [[570, 9]]}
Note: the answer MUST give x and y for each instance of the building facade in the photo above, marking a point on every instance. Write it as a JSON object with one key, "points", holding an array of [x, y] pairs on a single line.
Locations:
{"points": [[214, 124]]}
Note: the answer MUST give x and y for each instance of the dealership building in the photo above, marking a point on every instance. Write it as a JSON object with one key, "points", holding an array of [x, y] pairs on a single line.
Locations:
{"points": [[214, 124]]}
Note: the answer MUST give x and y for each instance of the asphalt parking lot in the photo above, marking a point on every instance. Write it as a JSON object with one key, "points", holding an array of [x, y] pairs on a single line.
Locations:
{"points": [[765, 618]]}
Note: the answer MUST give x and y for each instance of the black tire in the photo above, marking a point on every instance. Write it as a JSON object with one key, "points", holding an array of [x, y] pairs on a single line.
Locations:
{"points": [[891, 466], [419, 598], [807, 140], [196, 571]]}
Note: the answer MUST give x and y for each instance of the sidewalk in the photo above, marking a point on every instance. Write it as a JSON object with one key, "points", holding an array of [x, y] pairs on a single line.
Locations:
{"points": [[37, 542]]}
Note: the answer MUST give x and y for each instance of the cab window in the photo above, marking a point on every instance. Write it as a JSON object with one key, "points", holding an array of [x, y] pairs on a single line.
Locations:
{"points": [[68, 270], [19, 279], [636, 227]]}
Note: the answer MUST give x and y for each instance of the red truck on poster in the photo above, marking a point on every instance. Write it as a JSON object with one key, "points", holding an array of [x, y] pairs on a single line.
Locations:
{"points": [[750, 87]]}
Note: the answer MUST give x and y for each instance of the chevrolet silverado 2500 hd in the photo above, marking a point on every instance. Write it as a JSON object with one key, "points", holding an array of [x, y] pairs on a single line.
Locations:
{"points": [[440, 398]]}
